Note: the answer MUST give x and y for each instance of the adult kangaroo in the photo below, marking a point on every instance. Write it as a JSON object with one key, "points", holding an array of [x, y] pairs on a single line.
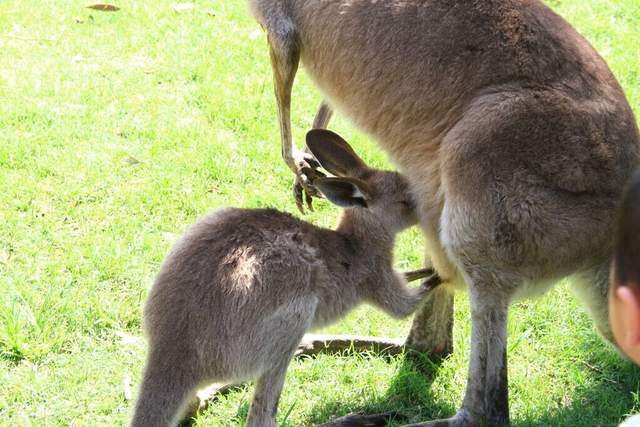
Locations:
{"points": [[514, 134]]}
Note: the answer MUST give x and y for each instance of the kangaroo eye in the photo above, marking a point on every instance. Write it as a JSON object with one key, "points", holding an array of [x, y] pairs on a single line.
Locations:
{"points": [[407, 204]]}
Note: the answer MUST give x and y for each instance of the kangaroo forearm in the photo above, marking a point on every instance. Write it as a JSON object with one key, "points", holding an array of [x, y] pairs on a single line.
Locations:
{"points": [[396, 298]]}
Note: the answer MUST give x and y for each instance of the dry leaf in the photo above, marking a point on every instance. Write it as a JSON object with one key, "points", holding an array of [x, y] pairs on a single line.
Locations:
{"points": [[131, 160], [126, 339], [103, 7], [182, 7]]}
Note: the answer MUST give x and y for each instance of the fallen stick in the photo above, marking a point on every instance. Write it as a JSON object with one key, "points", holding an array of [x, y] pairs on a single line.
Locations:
{"points": [[313, 344]]}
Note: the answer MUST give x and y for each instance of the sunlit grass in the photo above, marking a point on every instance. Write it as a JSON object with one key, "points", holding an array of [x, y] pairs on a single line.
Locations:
{"points": [[118, 129]]}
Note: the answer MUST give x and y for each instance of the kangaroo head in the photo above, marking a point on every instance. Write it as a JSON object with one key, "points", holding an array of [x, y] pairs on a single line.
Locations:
{"points": [[384, 195]]}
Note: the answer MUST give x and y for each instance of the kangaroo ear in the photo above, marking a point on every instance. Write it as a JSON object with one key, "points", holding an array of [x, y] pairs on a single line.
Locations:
{"points": [[344, 192], [334, 153]]}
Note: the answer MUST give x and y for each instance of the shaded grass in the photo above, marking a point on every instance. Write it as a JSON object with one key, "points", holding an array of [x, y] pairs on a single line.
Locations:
{"points": [[117, 130]]}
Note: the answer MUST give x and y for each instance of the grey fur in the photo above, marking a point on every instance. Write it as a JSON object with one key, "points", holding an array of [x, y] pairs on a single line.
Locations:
{"points": [[513, 132], [242, 286]]}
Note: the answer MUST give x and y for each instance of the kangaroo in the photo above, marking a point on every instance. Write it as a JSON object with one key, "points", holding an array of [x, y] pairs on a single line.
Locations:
{"points": [[238, 291], [514, 135]]}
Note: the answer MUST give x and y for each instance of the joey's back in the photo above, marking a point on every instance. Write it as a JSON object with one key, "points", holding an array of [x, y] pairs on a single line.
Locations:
{"points": [[241, 260]]}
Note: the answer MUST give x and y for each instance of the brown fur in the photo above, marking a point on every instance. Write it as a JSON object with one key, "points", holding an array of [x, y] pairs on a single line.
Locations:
{"points": [[515, 136], [242, 286]]}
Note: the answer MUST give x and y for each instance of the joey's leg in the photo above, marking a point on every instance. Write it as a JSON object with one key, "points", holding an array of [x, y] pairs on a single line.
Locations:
{"points": [[276, 339], [278, 350], [267, 395], [486, 397]]}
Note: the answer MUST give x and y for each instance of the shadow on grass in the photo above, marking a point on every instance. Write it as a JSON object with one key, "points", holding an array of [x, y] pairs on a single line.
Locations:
{"points": [[605, 399], [409, 394], [609, 393]]}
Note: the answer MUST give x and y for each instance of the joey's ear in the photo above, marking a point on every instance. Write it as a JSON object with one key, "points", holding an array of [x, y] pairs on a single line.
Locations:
{"points": [[344, 192], [334, 153]]}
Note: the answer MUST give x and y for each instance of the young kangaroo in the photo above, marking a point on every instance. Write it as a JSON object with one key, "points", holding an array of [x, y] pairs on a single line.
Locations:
{"points": [[242, 286], [513, 133]]}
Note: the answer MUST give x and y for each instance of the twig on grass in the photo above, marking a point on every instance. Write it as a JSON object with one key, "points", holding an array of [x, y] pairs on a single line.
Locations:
{"points": [[598, 370], [373, 420]]}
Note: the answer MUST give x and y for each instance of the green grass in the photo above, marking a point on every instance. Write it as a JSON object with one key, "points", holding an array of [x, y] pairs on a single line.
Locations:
{"points": [[117, 130]]}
